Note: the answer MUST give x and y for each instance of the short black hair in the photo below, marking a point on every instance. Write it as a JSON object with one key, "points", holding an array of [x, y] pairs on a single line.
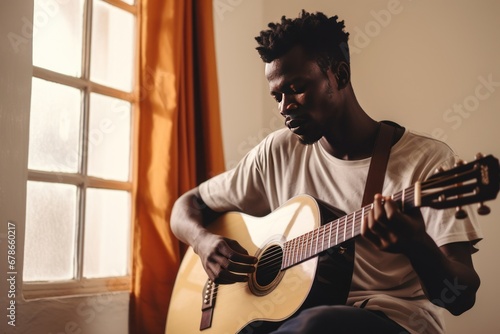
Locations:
{"points": [[322, 37]]}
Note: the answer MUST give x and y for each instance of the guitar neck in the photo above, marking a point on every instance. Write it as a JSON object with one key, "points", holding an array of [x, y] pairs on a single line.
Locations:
{"points": [[340, 230]]}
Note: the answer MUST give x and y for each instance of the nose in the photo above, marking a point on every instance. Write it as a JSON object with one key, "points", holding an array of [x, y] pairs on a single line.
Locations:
{"points": [[287, 104]]}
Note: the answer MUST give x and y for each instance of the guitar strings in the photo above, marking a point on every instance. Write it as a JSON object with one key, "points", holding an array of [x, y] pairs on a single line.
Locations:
{"points": [[320, 239], [312, 243]]}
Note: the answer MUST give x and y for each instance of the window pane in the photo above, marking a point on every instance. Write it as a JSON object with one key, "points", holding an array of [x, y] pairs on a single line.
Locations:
{"points": [[49, 248], [107, 233], [54, 127], [109, 138], [57, 35], [112, 59]]}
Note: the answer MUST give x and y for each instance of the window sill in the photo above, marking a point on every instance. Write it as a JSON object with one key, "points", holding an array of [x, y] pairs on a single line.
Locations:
{"points": [[41, 290]]}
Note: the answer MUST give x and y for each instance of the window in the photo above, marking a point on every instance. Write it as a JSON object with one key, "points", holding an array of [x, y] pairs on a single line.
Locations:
{"points": [[82, 146]]}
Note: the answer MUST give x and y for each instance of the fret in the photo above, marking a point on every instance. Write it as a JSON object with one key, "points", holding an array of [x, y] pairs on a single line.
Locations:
{"points": [[345, 226], [417, 194], [295, 245], [330, 235], [305, 244], [362, 214], [403, 200], [323, 235], [318, 236], [360, 221], [337, 234], [315, 238], [301, 244], [353, 223], [290, 252], [310, 241], [285, 256]]}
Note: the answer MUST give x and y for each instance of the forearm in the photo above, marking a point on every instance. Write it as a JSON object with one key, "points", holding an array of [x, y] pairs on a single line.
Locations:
{"points": [[224, 260], [446, 274], [189, 217]]}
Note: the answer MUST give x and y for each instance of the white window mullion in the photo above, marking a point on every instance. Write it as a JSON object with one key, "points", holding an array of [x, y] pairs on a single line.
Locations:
{"points": [[87, 37], [86, 52], [95, 182], [63, 79], [122, 5], [42, 176], [81, 83], [80, 236]]}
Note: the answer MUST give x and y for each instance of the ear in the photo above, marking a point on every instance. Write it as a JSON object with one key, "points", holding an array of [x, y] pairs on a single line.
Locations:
{"points": [[343, 74]]}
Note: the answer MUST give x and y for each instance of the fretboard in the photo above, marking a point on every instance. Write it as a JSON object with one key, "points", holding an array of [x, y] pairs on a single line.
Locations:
{"points": [[336, 232]]}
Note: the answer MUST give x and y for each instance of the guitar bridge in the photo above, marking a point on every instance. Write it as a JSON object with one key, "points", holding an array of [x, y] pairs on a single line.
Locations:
{"points": [[209, 295]]}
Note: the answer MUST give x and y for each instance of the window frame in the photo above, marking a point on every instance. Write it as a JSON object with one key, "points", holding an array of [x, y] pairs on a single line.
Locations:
{"points": [[80, 285]]}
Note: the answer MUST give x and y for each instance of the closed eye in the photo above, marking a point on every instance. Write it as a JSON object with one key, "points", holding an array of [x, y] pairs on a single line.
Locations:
{"points": [[296, 89], [276, 97]]}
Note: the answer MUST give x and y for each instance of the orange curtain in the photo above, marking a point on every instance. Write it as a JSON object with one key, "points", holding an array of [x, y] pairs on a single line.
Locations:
{"points": [[180, 142]]}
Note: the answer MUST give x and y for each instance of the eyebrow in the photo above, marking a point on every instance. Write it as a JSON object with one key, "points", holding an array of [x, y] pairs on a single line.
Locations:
{"points": [[285, 86]]}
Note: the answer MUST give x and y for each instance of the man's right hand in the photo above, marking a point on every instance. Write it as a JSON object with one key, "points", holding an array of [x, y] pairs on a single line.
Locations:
{"points": [[224, 260]]}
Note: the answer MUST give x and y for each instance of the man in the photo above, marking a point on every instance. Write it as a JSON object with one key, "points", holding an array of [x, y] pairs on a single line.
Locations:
{"points": [[408, 266]]}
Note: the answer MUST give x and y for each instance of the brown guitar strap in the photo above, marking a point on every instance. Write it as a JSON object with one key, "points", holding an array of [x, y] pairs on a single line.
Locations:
{"points": [[378, 165], [376, 171]]}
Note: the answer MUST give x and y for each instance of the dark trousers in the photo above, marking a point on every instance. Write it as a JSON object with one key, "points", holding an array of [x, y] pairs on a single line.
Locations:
{"points": [[340, 319]]}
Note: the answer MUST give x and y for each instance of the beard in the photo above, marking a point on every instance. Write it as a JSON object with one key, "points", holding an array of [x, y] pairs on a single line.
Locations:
{"points": [[308, 139], [306, 129]]}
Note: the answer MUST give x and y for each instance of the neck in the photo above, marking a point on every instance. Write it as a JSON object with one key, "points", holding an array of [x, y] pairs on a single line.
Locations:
{"points": [[351, 138]]}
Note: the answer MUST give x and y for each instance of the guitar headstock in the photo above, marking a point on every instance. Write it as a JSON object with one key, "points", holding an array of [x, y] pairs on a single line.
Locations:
{"points": [[474, 182]]}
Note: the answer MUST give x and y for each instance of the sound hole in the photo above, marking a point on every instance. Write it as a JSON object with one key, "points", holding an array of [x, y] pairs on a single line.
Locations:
{"points": [[269, 265]]}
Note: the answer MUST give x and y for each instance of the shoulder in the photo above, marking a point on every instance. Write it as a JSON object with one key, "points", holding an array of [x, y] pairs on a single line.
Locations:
{"points": [[280, 137], [424, 146], [422, 139], [422, 154], [282, 140]]}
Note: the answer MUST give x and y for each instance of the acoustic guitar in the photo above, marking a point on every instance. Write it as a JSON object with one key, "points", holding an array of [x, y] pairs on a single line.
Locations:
{"points": [[287, 243]]}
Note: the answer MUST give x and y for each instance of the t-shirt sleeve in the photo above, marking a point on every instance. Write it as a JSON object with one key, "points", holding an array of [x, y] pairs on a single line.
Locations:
{"points": [[239, 189], [442, 225], [444, 228]]}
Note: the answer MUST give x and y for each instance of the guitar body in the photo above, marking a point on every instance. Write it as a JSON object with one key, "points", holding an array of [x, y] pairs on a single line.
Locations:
{"points": [[261, 304]]}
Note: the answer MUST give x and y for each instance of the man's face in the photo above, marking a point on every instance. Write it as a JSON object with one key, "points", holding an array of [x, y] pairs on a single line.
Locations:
{"points": [[307, 97]]}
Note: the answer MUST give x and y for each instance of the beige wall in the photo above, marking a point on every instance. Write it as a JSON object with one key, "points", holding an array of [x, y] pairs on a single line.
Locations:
{"points": [[432, 66]]}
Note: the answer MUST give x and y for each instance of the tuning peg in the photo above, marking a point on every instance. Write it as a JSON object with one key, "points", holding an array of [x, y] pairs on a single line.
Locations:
{"points": [[439, 170], [482, 209], [460, 213]]}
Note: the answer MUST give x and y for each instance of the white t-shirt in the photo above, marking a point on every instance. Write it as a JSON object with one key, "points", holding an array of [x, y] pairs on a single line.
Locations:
{"points": [[280, 167]]}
